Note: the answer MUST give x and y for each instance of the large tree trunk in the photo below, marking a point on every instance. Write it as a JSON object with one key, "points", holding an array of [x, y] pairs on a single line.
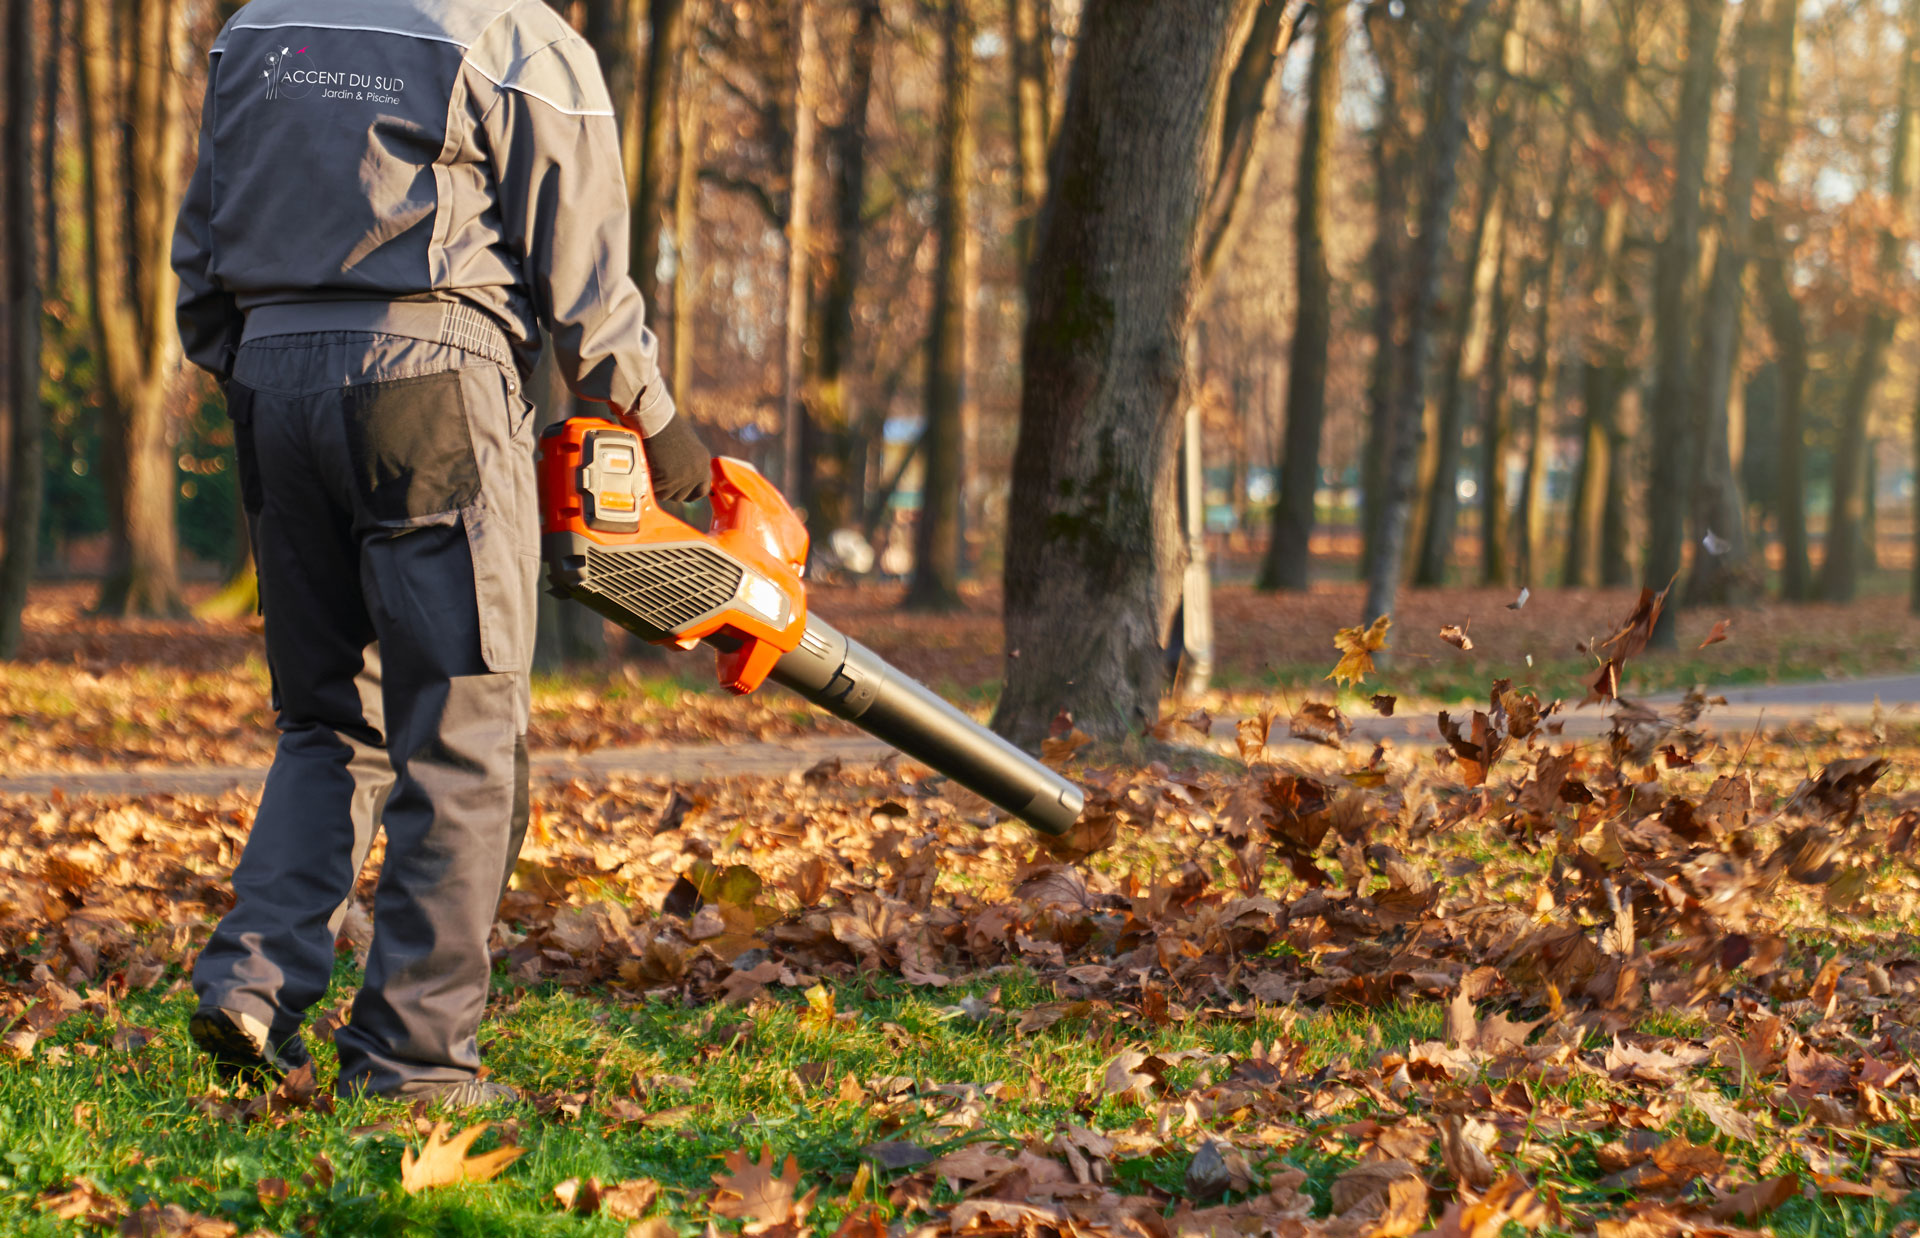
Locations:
{"points": [[935, 585], [1675, 300], [1251, 87], [1603, 379], [830, 495], [1726, 574], [1030, 64], [1442, 182], [21, 348], [1288, 562], [132, 186], [1092, 551]]}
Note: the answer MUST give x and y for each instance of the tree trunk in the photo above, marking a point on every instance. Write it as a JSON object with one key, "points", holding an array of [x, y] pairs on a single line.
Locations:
{"points": [[130, 209], [1030, 62], [1092, 551], [1288, 562], [1542, 383], [1603, 377], [1496, 443], [829, 410], [653, 170], [935, 585], [1466, 361], [1676, 279], [21, 347], [1390, 150], [1442, 182], [1250, 91], [1846, 519], [686, 230], [1726, 574], [794, 470]]}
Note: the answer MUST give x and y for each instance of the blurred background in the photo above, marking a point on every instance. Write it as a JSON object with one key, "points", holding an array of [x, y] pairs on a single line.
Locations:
{"points": [[1635, 279]]}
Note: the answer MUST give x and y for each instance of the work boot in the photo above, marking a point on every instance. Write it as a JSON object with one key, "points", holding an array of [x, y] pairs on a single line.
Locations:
{"points": [[238, 1044]]}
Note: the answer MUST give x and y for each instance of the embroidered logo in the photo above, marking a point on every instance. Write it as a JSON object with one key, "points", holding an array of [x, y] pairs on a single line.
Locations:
{"points": [[283, 75]]}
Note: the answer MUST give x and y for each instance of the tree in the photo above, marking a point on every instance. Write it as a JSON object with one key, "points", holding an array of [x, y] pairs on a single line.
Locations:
{"points": [[829, 414], [1092, 572], [1030, 74], [1467, 350], [133, 135], [1391, 150], [1541, 384], [799, 222], [653, 170], [1401, 451], [21, 347], [935, 585], [1675, 298], [1840, 571], [1725, 574], [1287, 562]]}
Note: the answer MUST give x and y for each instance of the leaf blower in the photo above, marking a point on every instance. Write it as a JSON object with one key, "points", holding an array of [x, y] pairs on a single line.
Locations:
{"points": [[737, 587]]}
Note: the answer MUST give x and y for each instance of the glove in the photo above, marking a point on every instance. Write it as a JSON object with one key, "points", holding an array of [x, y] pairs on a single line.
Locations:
{"points": [[681, 467]]}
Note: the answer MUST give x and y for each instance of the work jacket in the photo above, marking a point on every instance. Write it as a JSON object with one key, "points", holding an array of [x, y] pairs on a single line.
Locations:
{"points": [[446, 169]]}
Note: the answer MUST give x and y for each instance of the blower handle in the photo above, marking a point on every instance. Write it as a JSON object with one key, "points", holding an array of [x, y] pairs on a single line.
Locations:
{"points": [[850, 681]]}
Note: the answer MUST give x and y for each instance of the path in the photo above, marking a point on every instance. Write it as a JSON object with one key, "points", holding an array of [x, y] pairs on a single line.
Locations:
{"points": [[1747, 709]]}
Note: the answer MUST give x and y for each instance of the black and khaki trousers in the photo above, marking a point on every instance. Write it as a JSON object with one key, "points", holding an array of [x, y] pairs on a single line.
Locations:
{"points": [[389, 489]]}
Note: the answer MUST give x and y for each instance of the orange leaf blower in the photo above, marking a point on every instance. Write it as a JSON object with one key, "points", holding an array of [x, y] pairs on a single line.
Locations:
{"points": [[737, 587]]}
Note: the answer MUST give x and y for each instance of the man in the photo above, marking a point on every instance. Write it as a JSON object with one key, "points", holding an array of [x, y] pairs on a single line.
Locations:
{"points": [[392, 199]]}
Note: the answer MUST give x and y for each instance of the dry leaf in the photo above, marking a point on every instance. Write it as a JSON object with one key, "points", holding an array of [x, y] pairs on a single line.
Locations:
{"points": [[443, 1161]]}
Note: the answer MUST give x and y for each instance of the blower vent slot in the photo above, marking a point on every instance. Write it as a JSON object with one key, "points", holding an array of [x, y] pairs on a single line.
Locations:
{"points": [[666, 587]]}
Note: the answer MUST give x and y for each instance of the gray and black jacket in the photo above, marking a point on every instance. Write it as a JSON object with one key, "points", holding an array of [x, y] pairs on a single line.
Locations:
{"points": [[446, 169]]}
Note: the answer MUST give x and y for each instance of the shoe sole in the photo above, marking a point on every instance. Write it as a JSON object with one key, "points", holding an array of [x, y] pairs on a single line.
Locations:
{"points": [[231, 1049]]}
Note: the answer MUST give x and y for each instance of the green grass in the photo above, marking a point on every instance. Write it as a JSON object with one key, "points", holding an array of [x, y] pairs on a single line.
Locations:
{"points": [[143, 1131]]}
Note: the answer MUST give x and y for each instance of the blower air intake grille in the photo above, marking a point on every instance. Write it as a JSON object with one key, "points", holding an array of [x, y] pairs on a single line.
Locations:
{"points": [[666, 587]]}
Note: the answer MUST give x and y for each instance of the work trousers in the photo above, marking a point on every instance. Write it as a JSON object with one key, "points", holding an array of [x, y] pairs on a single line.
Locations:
{"points": [[389, 490]]}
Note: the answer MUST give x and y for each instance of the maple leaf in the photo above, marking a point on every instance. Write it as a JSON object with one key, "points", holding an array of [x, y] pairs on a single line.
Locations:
{"points": [[443, 1161], [1357, 647], [750, 1191]]}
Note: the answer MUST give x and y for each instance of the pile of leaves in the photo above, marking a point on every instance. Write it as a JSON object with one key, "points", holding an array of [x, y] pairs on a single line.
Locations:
{"points": [[1678, 971]]}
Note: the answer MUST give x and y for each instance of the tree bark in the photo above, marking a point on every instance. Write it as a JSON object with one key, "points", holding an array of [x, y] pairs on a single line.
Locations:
{"points": [[1727, 575], [686, 229], [1250, 91], [1675, 299], [130, 210], [829, 425], [1092, 554], [1442, 182], [1030, 64], [1846, 519], [1288, 561], [935, 585], [21, 348]]}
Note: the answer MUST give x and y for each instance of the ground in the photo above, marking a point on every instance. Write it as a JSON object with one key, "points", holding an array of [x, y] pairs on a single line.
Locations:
{"points": [[1659, 981]]}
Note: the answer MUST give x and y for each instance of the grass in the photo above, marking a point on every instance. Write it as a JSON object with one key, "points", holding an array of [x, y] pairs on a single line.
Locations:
{"points": [[140, 1127]]}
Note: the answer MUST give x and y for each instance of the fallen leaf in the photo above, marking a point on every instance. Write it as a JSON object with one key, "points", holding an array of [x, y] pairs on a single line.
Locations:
{"points": [[443, 1161]]}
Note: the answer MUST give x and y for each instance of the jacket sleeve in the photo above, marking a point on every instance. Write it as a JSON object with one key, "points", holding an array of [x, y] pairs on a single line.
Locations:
{"points": [[210, 322], [549, 130]]}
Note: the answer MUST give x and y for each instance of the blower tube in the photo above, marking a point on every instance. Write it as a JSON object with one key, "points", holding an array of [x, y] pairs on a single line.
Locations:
{"points": [[850, 681]]}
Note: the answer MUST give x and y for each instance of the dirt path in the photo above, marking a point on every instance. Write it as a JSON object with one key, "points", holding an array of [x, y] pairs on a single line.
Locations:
{"points": [[1771, 707]]}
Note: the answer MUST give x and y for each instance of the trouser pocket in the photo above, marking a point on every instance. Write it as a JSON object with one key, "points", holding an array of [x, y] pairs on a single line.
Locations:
{"points": [[411, 448]]}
